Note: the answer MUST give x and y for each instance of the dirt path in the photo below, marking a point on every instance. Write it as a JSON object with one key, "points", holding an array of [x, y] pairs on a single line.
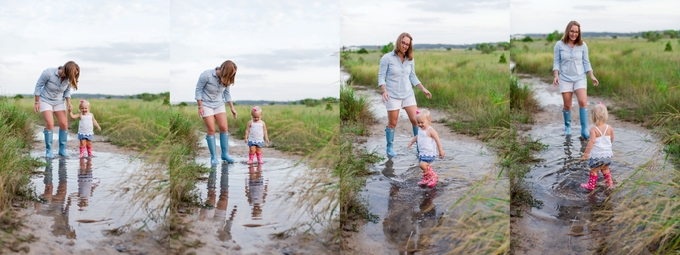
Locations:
{"points": [[408, 213], [567, 221]]}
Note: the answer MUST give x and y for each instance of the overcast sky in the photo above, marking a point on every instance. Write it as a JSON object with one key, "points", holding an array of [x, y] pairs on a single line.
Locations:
{"points": [[121, 47], [370, 22], [284, 50], [540, 16]]}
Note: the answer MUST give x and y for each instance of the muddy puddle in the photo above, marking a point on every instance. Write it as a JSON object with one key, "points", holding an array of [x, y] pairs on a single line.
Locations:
{"points": [[82, 197], [564, 224], [246, 204], [408, 213]]}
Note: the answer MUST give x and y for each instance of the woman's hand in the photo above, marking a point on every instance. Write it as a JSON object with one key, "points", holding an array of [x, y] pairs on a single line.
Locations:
{"points": [[595, 81], [36, 107], [427, 92], [200, 111], [556, 80], [233, 112], [385, 96], [70, 107]]}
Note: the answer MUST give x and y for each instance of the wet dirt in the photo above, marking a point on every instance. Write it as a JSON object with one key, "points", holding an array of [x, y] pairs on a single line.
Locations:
{"points": [[407, 212], [566, 223]]}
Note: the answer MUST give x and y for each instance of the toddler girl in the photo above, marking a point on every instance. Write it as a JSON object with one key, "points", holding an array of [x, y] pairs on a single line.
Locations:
{"points": [[599, 149], [428, 144], [255, 132], [85, 130]]}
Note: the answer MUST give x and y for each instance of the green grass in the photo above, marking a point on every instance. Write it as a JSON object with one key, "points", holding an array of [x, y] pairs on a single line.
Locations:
{"points": [[470, 86], [16, 137], [355, 114]]}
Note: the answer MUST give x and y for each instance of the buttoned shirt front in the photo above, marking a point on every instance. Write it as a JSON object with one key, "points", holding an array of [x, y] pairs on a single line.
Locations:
{"points": [[572, 63], [210, 90], [51, 89], [398, 77]]}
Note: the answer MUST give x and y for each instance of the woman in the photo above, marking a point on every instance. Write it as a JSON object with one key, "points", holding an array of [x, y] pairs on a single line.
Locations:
{"points": [[51, 90], [570, 66], [396, 78], [212, 92]]}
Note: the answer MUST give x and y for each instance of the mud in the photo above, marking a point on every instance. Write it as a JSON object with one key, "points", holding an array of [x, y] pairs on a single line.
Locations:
{"points": [[407, 212], [566, 223]]}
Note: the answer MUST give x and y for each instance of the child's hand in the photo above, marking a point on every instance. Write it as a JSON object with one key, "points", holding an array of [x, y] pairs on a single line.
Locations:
{"points": [[441, 154], [245, 140], [267, 140], [100, 128], [585, 156], [409, 145]]}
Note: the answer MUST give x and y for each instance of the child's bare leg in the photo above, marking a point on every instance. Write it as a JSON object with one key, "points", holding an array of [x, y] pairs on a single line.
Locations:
{"points": [[252, 149], [258, 150], [83, 143], [605, 170], [424, 166], [89, 143]]}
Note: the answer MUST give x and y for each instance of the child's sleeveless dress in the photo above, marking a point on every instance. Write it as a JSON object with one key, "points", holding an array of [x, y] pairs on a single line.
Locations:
{"points": [[601, 153], [426, 146], [256, 134], [85, 130]]}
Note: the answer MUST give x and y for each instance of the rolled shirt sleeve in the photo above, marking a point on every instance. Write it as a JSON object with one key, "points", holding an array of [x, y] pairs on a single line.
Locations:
{"points": [[586, 61], [382, 72], [200, 85], [226, 95], [556, 59], [412, 76], [67, 92], [42, 81]]}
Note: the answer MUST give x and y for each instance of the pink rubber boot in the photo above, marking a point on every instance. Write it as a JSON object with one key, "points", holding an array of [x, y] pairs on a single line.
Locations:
{"points": [[426, 178], [250, 159], [433, 178], [608, 179], [89, 151], [82, 150], [259, 158], [592, 181]]}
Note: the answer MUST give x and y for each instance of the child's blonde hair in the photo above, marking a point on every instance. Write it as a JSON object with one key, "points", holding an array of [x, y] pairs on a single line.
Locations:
{"points": [[423, 114], [256, 110], [599, 114], [83, 102]]}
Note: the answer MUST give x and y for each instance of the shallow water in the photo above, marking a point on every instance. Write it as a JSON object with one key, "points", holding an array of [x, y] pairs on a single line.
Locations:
{"points": [[561, 225], [407, 213], [78, 195], [245, 202]]}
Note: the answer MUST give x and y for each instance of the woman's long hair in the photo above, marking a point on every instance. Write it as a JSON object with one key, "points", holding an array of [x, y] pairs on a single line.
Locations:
{"points": [[565, 37], [71, 71], [227, 73], [397, 45]]}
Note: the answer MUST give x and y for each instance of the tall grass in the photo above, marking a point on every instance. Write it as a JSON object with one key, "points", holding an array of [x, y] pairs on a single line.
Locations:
{"points": [[16, 136], [470, 86], [355, 113]]}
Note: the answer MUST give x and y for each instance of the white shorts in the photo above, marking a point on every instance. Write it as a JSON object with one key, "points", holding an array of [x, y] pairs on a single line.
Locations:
{"points": [[54, 108], [396, 104], [566, 86], [207, 111]]}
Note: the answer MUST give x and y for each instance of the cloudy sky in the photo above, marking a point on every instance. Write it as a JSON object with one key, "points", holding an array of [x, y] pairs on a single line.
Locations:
{"points": [[540, 16], [284, 50], [370, 22], [121, 47]]}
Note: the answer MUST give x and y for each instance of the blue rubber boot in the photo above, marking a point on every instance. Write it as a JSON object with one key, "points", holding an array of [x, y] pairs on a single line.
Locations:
{"points": [[415, 133], [211, 147], [224, 146], [48, 143], [63, 135], [567, 121], [389, 136], [583, 115]]}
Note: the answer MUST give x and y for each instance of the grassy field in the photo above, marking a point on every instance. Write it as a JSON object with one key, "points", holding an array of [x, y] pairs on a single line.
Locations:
{"points": [[643, 81], [472, 87]]}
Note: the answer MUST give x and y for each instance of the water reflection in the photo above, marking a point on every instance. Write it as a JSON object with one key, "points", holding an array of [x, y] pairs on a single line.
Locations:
{"points": [[256, 192], [56, 205], [218, 211], [86, 185]]}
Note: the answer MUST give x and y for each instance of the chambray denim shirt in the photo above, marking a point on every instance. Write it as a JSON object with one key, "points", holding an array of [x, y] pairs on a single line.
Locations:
{"points": [[399, 78], [210, 91], [50, 88], [573, 64]]}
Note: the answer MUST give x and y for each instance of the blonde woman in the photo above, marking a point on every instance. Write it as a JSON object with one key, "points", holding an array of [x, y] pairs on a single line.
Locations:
{"points": [[212, 92], [51, 91], [396, 79], [570, 66]]}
